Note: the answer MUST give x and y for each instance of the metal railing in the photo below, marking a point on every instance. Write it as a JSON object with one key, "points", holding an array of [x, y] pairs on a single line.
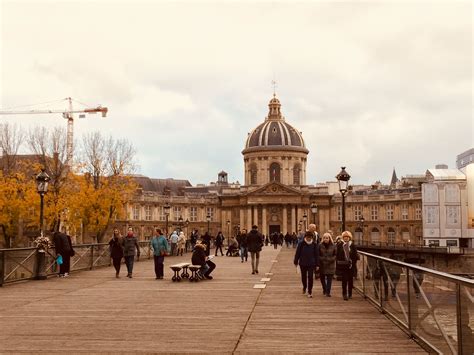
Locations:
{"points": [[411, 247], [20, 264], [433, 307]]}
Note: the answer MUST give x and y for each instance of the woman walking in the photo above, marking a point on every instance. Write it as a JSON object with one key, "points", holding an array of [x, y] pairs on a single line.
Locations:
{"points": [[160, 248], [344, 264], [307, 256], [327, 263], [116, 251], [130, 243], [181, 243]]}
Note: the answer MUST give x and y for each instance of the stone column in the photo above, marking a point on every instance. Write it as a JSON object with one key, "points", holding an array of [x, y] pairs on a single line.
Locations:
{"points": [[264, 220], [249, 218], [293, 219], [242, 218], [285, 221], [255, 216], [223, 221], [299, 217]]}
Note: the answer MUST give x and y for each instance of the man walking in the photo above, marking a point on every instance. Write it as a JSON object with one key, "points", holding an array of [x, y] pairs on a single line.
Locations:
{"points": [[254, 245], [160, 247], [174, 243]]}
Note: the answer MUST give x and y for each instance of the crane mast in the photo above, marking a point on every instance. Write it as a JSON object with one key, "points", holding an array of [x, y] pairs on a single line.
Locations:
{"points": [[67, 114]]}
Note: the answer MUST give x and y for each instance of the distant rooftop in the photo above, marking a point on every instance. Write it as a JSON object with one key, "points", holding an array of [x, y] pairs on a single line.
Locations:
{"points": [[445, 174]]}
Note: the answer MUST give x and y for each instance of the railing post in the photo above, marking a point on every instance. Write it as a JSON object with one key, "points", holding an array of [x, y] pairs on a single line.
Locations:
{"points": [[410, 316], [92, 257], [2, 267], [458, 317], [363, 276]]}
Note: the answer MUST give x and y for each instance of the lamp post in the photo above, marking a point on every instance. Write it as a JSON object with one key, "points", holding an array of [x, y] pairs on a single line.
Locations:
{"points": [[166, 207], [237, 229], [300, 223], [228, 232], [343, 180], [361, 226], [314, 210], [305, 219], [180, 223], [208, 218], [42, 180]]}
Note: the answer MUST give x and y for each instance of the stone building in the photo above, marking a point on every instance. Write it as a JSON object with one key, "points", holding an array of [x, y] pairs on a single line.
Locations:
{"points": [[276, 196]]}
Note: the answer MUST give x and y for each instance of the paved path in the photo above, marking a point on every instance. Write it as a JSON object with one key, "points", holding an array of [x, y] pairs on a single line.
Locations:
{"points": [[92, 311]]}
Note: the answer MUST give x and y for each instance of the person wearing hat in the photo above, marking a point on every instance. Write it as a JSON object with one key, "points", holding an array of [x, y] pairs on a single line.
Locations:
{"points": [[199, 258], [254, 246]]}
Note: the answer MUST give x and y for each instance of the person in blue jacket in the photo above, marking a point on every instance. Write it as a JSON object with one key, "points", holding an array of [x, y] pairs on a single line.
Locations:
{"points": [[160, 248], [307, 256]]}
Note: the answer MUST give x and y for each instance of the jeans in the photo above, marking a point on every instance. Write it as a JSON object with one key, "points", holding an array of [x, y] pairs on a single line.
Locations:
{"points": [[173, 248], [255, 256], [219, 247], [326, 282], [307, 278], [66, 265], [129, 262], [347, 282], [244, 253], [159, 260]]}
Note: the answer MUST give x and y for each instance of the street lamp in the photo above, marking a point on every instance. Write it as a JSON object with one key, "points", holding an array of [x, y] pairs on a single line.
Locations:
{"points": [[42, 180], [343, 180], [361, 226], [314, 210], [305, 218], [300, 223], [180, 223], [166, 207], [228, 232], [208, 218]]}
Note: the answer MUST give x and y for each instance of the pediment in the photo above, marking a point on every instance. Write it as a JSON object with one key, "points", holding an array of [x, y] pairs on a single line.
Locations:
{"points": [[274, 188]]}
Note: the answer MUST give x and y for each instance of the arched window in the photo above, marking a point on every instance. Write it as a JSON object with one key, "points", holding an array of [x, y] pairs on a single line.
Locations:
{"points": [[391, 236], [275, 172], [297, 174], [375, 235], [253, 174], [358, 235]]}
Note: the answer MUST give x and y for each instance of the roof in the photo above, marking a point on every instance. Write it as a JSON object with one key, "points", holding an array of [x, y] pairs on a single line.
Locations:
{"points": [[162, 186], [445, 174]]}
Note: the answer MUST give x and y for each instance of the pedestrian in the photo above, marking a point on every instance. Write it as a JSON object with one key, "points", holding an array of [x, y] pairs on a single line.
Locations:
{"points": [[275, 240], [233, 248], [160, 248], [219, 241], [199, 258], [206, 240], [254, 245], [344, 264], [194, 238], [327, 263], [174, 243], [242, 240], [307, 257], [63, 248], [312, 228], [181, 243], [116, 251], [130, 243]]}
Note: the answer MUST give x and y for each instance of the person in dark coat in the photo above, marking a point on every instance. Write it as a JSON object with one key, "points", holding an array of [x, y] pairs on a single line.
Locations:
{"points": [[219, 241], [206, 240], [327, 263], [254, 245], [130, 243], [63, 247], [307, 256], [116, 251], [344, 260], [242, 240], [199, 258]]}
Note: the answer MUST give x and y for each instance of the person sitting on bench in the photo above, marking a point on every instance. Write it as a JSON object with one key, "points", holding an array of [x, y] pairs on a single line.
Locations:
{"points": [[199, 258], [233, 249]]}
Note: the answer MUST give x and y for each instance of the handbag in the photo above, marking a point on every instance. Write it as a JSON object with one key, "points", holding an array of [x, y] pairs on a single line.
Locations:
{"points": [[59, 260], [164, 253]]}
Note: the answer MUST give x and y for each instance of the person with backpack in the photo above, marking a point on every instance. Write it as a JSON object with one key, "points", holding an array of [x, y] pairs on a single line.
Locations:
{"points": [[160, 248], [307, 257], [254, 245]]}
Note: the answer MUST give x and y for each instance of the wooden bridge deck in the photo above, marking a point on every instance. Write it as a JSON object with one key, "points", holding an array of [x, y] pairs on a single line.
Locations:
{"points": [[93, 312]]}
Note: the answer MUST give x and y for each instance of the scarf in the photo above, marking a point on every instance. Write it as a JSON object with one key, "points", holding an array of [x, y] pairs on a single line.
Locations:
{"points": [[346, 250]]}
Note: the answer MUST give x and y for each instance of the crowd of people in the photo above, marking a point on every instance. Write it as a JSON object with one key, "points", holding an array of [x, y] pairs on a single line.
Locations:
{"points": [[316, 258]]}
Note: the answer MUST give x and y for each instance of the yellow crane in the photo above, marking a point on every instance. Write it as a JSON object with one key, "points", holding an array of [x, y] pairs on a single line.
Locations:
{"points": [[67, 114]]}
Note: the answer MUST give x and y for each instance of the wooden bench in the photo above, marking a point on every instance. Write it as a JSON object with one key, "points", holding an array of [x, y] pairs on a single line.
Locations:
{"points": [[177, 268], [194, 273]]}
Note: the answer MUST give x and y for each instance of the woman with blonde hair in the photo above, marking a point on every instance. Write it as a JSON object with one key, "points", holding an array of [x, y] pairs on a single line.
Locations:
{"points": [[327, 263], [346, 256]]}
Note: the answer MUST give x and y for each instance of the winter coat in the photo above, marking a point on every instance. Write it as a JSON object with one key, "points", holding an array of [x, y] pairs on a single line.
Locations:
{"points": [[159, 245], [307, 254], [181, 240], [327, 258], [129, 246], [254, 241], [63, 244], [341, 260], [174, 238], [242, 240], [199, 256], [219, 240], [115, 247]]}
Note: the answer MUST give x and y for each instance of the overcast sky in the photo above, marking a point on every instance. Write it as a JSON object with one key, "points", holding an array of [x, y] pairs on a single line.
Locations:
{"points": [[372, 85]]}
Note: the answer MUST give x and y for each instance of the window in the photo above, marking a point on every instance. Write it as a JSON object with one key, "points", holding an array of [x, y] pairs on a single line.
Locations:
{"points": [[433, 243], [375, 235], [452, 193], [374, 212], [339, 213], [358, 234], [404, 212], [176, 212], [253, 174], [161, 213], [136, 212], [451, 243], [193, 214], [452, 214], [148, 213], [210, 212], [275, 172], [431, 214], [296, 174], [389, 209], [357, 213], [391, 236], [418, 211], [405, 235]]}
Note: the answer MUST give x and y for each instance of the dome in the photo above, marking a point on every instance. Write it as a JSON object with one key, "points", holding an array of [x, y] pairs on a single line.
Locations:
{"points": [[275, 133]]}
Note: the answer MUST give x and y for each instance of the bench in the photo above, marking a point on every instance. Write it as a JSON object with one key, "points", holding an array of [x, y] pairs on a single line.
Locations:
{"points": [[194, 273], [177, 268]]}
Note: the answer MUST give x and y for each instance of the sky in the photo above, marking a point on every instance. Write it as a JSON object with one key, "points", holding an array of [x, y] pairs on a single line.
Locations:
{"points": [[371, 85]]}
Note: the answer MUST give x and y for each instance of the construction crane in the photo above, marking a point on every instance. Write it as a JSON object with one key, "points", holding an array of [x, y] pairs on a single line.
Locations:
{"points": [[67, 114]]}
